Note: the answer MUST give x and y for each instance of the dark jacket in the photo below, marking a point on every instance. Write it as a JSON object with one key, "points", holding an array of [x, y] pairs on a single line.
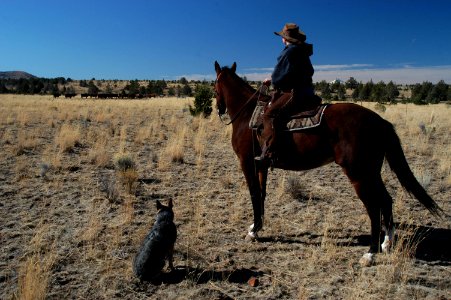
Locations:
{"points": [[293, 69]]}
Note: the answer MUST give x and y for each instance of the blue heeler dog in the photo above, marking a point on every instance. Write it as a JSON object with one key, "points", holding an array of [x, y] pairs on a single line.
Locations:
{"points": [[157, 246]]}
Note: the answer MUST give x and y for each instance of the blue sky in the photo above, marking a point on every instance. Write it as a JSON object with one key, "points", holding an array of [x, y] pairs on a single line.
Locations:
{"points": [[404, 41]]}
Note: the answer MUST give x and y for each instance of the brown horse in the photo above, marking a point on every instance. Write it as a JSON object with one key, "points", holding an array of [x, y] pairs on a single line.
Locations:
{"points": [[355, 138]]}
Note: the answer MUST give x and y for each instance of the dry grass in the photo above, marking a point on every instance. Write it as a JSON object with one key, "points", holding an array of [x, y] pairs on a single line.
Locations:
{"points": [[68, 138], [35, 272], [79, 180]]}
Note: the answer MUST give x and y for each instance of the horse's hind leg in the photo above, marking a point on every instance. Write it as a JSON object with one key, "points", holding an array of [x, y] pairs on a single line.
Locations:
{"points": [[378, 203], [387, 214]]}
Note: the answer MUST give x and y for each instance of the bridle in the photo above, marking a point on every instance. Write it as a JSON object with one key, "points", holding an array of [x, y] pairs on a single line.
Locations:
{"points": [[259, 90]]}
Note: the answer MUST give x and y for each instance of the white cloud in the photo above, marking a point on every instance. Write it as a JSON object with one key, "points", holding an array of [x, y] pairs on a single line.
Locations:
{"points": [[200, 77], [402, 74], [260, 69], [341, 67]]}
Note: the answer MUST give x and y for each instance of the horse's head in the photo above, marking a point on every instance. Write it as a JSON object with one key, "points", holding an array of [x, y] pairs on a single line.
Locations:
{"points": [[219, 87]]}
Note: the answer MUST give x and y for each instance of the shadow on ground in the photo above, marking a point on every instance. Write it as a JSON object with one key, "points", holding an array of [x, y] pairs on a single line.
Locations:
{"points": [[433, 244], [430, 244], [201, 276]]}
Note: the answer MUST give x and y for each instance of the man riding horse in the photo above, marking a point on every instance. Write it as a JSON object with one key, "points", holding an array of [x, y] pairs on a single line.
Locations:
{"points": [[293, 88]]}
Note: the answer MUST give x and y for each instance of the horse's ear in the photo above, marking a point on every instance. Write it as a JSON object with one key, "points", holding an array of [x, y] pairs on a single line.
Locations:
{"points": [[233, 67], [217, 68], [159, 205]]}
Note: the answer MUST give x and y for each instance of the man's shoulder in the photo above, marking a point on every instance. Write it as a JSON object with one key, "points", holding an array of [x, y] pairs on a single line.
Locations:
{"points": [[293, 48]]}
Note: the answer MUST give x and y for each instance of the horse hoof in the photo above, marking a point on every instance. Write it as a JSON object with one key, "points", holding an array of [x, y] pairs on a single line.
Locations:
{"points": [[367, 260], [251, 236]]}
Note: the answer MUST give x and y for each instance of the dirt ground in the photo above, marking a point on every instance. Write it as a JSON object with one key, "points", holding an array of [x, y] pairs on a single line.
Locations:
{"points": [[71, 223]]}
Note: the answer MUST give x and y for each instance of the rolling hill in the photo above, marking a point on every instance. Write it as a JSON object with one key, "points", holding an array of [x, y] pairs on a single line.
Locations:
{"points": [[16, 75]]}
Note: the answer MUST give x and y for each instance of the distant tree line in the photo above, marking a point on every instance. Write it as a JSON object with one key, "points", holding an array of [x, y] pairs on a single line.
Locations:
{"points": [[58, 86], [421, 93], [32, 85]]}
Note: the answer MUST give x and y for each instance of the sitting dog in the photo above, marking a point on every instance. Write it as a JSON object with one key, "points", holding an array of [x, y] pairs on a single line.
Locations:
{"points": [[157, 246]]}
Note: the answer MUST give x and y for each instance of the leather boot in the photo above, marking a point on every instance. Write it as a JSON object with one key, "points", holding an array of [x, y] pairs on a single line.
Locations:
{"points": [[268, 137]]}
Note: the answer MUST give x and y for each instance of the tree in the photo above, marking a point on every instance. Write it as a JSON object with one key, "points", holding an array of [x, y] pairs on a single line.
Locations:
{"points": [[183, 81], [335, 86], [202, 101], [324, 88], [3, 89], [420, 92], [186, 90], [54, 90], [92, 88], [356, 92], [23, 87], [108, 89], [365, 91], [149, 88], [132, 88], [378, 92], [156, 87], [391, 92], [438, 93], [351, 83], [341, 92], [69, 90]]}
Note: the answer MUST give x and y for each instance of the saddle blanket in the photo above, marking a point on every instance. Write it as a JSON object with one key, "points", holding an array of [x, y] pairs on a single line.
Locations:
{"points": [[301, 121]]}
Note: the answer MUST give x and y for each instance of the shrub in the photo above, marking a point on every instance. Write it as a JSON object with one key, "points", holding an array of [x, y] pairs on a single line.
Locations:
{"points": [[128, 174], [202, 101], [123, 162], [68, 138], [380, 107]]}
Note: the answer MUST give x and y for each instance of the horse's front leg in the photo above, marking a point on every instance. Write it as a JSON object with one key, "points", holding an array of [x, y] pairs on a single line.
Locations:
{"points": [[258, 195], [255, 227]]}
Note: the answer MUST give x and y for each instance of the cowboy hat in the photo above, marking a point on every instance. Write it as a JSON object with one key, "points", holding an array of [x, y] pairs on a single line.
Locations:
{"points": [[292, 33]]}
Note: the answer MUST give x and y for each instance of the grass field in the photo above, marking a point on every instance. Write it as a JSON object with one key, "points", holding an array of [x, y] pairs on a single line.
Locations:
{"points": [[71, 221]]}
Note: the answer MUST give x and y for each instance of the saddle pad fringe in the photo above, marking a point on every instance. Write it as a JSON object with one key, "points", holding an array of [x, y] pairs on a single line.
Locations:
{"points": [[307, 121], [257, 115], [303, 120]]}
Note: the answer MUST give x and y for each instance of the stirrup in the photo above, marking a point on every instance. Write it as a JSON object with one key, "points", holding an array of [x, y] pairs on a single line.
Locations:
{"points": [[264, 158], [261, 158]]}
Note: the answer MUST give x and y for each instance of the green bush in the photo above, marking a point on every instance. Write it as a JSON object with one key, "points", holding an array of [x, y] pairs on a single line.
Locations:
{"points": [[124, 162], [202, 101], [380, 107]]}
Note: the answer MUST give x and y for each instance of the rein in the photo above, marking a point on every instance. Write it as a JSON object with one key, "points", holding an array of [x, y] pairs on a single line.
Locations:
{"points": [[242, 108], [259, 90]]}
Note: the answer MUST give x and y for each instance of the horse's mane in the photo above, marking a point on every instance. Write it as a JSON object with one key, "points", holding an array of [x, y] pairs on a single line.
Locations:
{"points": [[239, 79]]}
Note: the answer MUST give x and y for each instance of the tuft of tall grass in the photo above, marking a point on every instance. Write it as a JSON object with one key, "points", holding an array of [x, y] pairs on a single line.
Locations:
{"points": [[34, 277], [68, 138], [108, 186], [127, 170], [174, 151], [35, 272], [26, 141]]}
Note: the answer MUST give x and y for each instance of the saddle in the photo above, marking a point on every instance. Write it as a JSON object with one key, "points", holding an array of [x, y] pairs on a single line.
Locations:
{"points": [[300, 121]]}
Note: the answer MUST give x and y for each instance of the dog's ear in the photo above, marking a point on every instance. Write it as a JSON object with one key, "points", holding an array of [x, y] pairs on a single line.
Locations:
{"points": [[159, 205], [170, 203]]}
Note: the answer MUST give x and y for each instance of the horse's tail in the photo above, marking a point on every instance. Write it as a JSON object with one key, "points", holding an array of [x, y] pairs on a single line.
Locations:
{"points": [[398, 163]]}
